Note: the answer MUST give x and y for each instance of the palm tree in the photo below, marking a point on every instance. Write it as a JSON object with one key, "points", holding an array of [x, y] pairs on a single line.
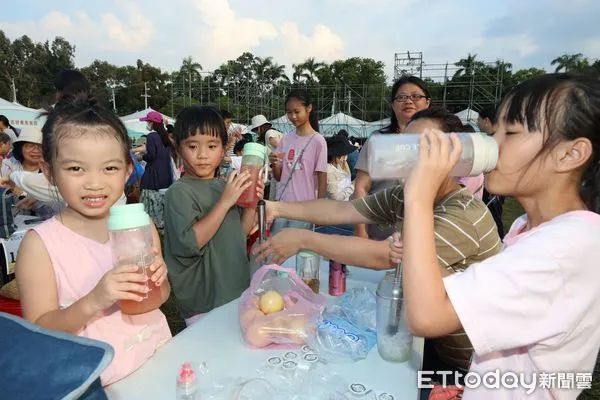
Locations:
{"points": [[570, 62], [192, 69], [468, 65], [307, 70]]}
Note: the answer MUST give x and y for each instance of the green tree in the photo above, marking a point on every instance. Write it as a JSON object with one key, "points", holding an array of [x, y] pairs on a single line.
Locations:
{"points": [[524, 74], [571, 63], [190, 72]]}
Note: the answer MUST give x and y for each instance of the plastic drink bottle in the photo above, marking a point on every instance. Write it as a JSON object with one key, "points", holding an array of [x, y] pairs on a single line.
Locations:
{"points": [[130, 235], [253, 160], [394, 156]]}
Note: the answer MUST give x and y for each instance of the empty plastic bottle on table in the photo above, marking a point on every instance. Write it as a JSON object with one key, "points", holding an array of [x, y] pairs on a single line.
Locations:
{"points": [[394, 156], [130, 235], [253, 160], [307, 268], [393, 346]]}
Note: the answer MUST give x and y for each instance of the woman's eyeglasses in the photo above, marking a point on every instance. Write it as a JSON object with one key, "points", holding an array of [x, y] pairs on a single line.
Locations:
{"points": [[401, 98]]}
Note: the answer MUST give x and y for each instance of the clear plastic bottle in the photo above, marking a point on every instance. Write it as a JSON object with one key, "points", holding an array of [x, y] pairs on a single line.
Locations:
{"points": [[187, 381], [394, 156], [393, 345], [130, 235], [307, 268], [253, 161]]}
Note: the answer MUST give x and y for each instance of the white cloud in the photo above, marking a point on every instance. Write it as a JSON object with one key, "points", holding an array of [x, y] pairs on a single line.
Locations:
{"points": [[128, 32], [224, 35], [323, 44]]}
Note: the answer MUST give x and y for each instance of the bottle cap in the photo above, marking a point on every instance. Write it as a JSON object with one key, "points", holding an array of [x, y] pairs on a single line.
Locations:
{"points": [[290, 365], [186, 375], [255, 149], [485, 153], [127, 216], [274, 361], [290, 355]]}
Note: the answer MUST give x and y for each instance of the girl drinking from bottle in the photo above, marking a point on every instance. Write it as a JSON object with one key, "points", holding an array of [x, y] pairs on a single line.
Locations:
{"points": [[205, 237], [64, 267], [535, 307], [300, 161]]}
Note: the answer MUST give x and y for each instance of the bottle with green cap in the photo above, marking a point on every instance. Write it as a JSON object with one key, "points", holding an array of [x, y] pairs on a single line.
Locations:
{"points": [[130, 236], [253, 160]]}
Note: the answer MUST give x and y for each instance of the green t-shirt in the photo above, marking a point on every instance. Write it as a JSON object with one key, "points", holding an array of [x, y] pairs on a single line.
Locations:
{"points": [[205, 277]]}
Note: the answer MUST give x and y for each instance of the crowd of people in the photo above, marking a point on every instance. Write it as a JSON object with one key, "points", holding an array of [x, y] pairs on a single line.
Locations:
{"points": [[527, 301]]}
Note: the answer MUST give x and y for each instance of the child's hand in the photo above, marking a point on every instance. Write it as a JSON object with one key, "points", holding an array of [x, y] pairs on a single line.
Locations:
{"points": [[260, 185], [438, 154], [119, 284], [396, 248], [159, 269], [237, 182]]}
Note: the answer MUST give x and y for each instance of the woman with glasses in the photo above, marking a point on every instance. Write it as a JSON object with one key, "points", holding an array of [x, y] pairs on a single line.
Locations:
{"points": [[409, 95]]}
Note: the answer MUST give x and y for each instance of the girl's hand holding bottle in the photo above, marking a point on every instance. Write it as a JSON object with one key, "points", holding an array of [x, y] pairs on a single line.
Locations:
{"points": [[438, 154], [237, 182], [119, 283], [159, 269]]}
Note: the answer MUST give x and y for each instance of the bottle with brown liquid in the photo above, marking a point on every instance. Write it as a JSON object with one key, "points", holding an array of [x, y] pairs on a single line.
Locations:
{"points": [[307, 268], [130, 235]]}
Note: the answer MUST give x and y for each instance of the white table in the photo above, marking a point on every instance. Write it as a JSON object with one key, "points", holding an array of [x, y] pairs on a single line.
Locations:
{"points": [[216, 339]]}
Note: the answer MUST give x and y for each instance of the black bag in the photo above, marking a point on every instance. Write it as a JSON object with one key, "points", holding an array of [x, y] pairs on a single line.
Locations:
{"points": [[7, 221]]}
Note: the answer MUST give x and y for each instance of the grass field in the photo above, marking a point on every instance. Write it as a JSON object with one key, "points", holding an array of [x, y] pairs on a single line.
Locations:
{"points": [[512, 210]]}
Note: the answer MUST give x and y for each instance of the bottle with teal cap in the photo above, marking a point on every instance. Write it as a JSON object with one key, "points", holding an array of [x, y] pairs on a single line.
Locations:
{"points": [[130, 236], [253, 160]]}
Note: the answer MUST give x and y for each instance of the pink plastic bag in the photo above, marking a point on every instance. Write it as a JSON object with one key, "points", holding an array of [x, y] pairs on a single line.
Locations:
{"points": [[280, 329]]}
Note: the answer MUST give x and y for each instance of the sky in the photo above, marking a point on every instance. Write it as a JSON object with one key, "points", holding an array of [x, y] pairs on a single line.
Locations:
{"points": [[527, 33]]}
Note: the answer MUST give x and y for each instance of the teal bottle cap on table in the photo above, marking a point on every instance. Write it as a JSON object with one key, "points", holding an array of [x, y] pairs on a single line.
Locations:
{"points": [[255, 149], [127, 216]]}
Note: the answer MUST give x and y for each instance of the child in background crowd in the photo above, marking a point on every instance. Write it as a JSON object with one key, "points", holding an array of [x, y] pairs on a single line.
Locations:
{"points": [[5, 145], [299, 163], [64, 267], [534, 308], [205, 236]]}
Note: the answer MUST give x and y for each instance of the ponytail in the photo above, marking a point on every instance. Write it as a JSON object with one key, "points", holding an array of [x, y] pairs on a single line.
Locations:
{"points": [[314, 120], [6, 122], [159, 128]]}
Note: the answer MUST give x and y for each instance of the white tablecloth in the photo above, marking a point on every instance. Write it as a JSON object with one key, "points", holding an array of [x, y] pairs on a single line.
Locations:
{"points": [[216, 339]]}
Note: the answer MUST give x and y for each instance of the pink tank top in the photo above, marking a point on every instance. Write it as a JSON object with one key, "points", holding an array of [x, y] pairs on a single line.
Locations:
{"points": [[79, 263]]}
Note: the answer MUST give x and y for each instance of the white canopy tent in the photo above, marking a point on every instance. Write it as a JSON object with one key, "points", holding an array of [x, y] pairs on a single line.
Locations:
{"points": [[378, 125], [20, 116], [467, 115], [136, 128], [332, 125]]}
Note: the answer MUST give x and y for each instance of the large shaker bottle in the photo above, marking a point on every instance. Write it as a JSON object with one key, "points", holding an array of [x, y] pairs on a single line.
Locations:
{"points": [[130, 235], [307, 268], [395, 344], [253, 160], [394, 156]]}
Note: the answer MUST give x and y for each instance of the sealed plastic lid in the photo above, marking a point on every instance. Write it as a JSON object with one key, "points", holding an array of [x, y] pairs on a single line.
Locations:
{"points": [[127, 216], [485, 153], [307, 254], [255, 149]]}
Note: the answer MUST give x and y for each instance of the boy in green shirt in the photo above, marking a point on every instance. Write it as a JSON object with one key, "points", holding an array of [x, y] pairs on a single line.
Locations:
{"points": [[205, 232]]}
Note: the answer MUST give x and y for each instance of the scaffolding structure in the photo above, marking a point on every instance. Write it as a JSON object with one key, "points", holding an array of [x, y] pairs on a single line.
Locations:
{"points": [[473, 87]]}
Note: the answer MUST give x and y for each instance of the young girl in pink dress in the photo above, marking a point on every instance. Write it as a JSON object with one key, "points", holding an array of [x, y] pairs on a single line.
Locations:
{"points": [[64, 267]]}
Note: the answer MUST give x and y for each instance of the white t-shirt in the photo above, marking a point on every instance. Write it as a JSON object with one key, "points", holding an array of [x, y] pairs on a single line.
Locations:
{"points": [[535, 307]]}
